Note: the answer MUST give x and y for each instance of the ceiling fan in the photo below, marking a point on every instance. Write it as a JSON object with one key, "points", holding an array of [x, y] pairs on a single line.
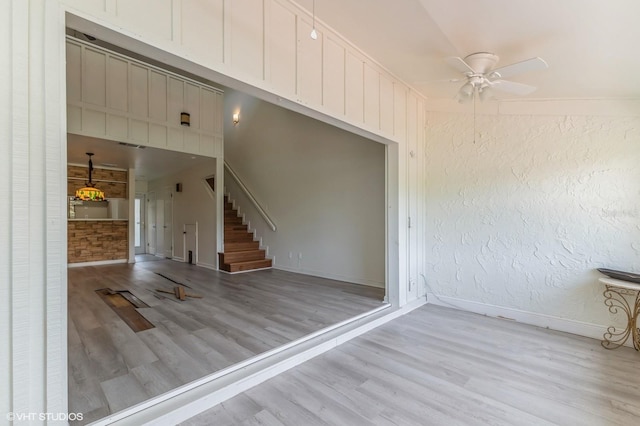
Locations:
{"points": [[481, 78]]}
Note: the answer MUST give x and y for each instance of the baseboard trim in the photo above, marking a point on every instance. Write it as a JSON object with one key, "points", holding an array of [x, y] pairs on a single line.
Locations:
{"points": [[97, 263], [336, 277], [566, 325], [189, 400], [207, 266]]}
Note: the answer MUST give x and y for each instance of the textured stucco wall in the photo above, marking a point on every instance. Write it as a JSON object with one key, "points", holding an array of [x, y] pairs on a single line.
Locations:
{"points": [[521, 217]]}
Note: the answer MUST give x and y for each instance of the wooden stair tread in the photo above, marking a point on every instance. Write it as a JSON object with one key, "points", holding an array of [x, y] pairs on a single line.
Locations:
{"points": [[246, 266], [232, 246], [241, 256], [241, 251]]}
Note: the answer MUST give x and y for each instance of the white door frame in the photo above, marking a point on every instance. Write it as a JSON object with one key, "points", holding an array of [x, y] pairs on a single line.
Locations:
{"points": [[185, 252], [142, 248]]}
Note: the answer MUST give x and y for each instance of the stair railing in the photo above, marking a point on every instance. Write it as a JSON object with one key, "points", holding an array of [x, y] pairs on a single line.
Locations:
{"points": [[250, 196]]}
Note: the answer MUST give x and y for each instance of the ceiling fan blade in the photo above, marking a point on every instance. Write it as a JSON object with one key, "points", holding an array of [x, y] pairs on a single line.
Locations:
{"points": [[533, 64], [444, 80], [459, 64], [512, 87]]}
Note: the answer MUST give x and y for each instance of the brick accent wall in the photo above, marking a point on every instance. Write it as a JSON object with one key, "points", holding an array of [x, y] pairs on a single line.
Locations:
{"points": [[91, 241]]}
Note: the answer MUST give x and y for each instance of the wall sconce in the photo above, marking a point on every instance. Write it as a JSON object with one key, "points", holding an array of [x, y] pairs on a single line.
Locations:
{"points": [[236, 118], [185, 119]]}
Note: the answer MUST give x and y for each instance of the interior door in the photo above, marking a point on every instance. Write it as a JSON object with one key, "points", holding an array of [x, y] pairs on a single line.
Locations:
{"points": [[190, 243], [139, 224], [168, 223], [151, 220], [159, 227]]}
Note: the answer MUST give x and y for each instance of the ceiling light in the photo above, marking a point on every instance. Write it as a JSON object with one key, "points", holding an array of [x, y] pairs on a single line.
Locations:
{"points": [[485, 93], [314, 33], [465, 93], [90, 192]]}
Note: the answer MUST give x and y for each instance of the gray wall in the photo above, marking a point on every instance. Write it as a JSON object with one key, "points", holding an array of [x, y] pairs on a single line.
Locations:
{"points": [[323, 187]]}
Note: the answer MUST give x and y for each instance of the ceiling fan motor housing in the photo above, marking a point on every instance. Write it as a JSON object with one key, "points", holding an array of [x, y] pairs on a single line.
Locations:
{"points": [[482, 62]]}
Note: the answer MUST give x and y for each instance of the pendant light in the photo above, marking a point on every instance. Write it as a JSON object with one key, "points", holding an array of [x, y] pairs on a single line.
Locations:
{"points": [[90, 192], [314, 33]]}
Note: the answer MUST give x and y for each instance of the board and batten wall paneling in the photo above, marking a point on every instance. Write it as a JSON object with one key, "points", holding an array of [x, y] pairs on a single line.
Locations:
{"points": [[136, 13], [400, 111], [94, 64], [309, 65], [281, 48], [252, 41], [138, 91], [412, 197], [333, 73], [158, 96], [371, 96], [246, 33], [386, 105], [137, 103], [354, 88], [118, 84], [202, 30]]}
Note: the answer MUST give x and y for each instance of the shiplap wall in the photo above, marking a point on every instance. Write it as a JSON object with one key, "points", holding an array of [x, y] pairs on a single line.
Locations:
{"points": [[33, 355]]}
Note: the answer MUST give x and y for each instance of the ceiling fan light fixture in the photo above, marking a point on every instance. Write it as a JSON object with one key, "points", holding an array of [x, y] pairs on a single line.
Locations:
{"points": [[465, 93], [485, 93], [482, 79]]}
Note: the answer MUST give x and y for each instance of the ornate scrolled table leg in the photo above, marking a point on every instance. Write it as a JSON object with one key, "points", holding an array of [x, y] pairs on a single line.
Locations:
{"points": [[615, 300]]}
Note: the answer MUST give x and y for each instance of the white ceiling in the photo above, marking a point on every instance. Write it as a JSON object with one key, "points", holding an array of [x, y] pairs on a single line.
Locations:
{"points": [[590, 45], [149, 163]]}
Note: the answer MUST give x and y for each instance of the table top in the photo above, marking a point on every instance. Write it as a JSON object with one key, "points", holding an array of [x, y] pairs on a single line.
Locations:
{"points": [[620, 283]]}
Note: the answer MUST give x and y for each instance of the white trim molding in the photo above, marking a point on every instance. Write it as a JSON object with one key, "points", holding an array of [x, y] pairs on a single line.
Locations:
{"points": [[97, 263], [566, 325]]}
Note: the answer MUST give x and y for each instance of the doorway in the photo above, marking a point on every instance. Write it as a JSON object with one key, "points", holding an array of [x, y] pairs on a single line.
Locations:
{"points": [[140, 244]]}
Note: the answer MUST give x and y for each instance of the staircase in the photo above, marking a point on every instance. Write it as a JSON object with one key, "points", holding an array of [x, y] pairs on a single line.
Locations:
{"points": [[241, 252]]}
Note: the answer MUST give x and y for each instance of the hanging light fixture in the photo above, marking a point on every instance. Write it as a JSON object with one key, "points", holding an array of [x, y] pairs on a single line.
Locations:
{"points": [[90, 192], [314, 33]]}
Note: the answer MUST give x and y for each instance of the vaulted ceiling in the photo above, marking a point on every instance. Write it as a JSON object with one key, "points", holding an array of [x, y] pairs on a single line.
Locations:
{"points": [[590, 45]]}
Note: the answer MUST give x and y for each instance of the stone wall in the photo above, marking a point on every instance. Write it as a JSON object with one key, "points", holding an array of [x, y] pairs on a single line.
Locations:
{"points": [[95, 241], [112, 182], [91, 241]]}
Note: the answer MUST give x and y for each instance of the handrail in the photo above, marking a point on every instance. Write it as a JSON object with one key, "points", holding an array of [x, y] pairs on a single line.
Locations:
{"points": [[248, 193]]}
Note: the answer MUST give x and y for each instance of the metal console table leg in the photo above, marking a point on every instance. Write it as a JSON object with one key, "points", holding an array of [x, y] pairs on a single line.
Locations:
{"points": [[614, 298]]}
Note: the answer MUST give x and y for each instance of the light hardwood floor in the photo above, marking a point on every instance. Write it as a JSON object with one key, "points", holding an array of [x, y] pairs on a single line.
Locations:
{"points": [[438, 366], [112, 368]]}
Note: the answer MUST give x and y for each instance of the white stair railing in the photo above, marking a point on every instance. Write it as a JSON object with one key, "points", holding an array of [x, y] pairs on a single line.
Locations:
{"points": [[249, 195]]}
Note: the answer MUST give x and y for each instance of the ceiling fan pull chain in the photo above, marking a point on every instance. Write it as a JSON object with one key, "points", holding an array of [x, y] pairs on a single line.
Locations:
{"points": [[474, 119]]}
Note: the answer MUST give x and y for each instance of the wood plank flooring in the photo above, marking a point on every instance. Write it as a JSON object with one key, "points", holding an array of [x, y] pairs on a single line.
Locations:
{"points": [[439, 366], [111, 367]]}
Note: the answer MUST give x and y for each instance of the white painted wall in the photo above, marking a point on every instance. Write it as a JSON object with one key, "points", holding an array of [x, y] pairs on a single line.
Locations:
{"points": [[195, 204], [322, 186], [33, 257], [520, 218]]}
